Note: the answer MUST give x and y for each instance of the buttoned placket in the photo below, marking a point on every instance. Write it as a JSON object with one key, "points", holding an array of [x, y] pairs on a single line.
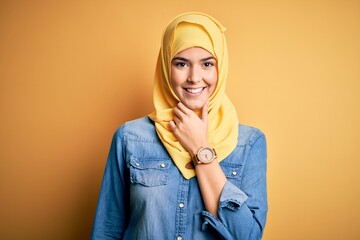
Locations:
{"points": [[181, 211]]}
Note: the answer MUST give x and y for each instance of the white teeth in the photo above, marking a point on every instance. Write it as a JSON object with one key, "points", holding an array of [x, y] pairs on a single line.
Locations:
{"points": [[194, 90]]}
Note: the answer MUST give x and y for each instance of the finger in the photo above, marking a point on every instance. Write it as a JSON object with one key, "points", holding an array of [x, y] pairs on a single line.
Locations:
{"points": [[172, 126], [184, 109], [178, 113], [176, 121]]}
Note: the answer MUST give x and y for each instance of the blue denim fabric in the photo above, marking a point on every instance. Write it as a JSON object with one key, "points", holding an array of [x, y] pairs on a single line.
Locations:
{"points": [[144, 196]]}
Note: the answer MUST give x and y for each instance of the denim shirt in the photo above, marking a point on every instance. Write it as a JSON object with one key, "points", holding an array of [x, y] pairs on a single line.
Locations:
{"points": [[144, 196]]}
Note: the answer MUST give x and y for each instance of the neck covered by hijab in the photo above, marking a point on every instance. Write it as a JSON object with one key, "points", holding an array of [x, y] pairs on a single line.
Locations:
{"points": [[186, 31]]}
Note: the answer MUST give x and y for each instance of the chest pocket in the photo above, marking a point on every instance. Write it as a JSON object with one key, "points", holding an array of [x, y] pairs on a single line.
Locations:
{"points": [[149, 172]]}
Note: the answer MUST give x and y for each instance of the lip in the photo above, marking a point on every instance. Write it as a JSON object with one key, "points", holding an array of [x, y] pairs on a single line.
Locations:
{"points": [[194, 91]]}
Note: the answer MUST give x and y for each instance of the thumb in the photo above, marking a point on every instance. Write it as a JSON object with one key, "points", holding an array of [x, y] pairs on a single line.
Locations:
{"points": [[204, 112]]}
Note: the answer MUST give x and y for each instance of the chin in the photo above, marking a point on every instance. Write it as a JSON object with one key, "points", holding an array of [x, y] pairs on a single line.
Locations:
{"points": [[194, 107]]}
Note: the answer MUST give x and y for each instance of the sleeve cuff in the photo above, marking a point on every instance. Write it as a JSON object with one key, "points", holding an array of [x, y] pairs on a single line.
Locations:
{"points": [[232, 198]]}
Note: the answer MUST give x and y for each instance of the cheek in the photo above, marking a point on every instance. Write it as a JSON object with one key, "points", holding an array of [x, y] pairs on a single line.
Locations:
{"points": [[176, 78], [172, 78], [213, 78]]}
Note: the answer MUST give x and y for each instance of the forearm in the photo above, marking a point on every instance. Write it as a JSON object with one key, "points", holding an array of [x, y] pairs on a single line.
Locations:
{"points": [[243, 200], [211, 181]]}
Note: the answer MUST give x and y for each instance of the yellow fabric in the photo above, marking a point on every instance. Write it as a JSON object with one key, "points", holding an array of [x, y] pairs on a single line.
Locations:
{"points": [[186, 31]]}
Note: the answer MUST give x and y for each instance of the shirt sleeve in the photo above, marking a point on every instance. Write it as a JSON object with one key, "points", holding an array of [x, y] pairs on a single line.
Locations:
{"points": [[242, 211], [111, 213]]}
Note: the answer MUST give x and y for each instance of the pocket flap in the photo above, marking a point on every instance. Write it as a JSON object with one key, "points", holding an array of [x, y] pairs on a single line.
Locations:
{"points": [[149, 164], [232, 171], [149, 172]]}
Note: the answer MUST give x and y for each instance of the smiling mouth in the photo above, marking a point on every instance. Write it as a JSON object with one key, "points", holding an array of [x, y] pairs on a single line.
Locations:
{"points": [[194, 90]]}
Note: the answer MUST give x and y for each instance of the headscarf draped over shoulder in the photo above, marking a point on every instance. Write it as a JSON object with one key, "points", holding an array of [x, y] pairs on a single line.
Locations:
{"points": [[185, 31]]}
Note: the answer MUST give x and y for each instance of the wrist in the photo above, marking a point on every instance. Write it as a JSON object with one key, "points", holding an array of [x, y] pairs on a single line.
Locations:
{"points": [[204, 155], [195, 149]]}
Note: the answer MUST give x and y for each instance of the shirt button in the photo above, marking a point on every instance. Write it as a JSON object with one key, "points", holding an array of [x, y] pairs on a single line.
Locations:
{"points": [[181, 205], [234, 173], [137, 164], [163, 165], [179, 238]]}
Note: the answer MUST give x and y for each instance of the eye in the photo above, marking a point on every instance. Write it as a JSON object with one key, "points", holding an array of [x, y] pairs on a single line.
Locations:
{"points": [[209, 64], [180, 64]]}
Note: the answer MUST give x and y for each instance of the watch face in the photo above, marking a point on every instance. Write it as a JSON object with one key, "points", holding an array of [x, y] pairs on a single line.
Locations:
{"points": [[206, 155]]}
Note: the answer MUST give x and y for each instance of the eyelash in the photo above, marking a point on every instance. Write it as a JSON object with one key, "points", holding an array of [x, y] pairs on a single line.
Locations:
{"points": [[180, 64], [209, 64], [185, 64]]}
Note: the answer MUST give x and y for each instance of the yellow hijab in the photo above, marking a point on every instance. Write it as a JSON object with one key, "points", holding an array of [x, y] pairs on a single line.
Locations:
{"points": [[186, 31]]}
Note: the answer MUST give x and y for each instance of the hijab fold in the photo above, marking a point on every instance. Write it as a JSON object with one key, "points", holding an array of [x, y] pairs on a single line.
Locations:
{"points": [[185, 31]]}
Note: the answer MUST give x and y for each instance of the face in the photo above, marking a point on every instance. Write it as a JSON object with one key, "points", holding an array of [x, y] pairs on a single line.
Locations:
{"points": [[194, 76]]}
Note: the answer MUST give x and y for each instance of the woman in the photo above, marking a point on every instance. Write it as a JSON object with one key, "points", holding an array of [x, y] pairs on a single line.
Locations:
{"points": [[189, 170]]}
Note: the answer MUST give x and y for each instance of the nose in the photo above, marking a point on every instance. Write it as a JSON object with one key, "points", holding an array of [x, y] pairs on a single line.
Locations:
{"points": [[194, 75]]}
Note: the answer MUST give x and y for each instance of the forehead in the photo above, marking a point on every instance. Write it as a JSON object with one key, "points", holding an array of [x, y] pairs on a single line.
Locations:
{"points": [[194, 53]]}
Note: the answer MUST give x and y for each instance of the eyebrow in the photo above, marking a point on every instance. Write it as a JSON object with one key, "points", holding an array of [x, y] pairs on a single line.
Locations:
{"points": [[187, 60]]}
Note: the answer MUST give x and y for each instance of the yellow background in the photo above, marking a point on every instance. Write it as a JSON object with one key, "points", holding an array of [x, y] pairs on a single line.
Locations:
{"points": [[73, 71]]}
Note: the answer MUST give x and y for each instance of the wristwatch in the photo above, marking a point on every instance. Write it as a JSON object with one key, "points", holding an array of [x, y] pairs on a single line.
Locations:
{"points": [[204, 155]]}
